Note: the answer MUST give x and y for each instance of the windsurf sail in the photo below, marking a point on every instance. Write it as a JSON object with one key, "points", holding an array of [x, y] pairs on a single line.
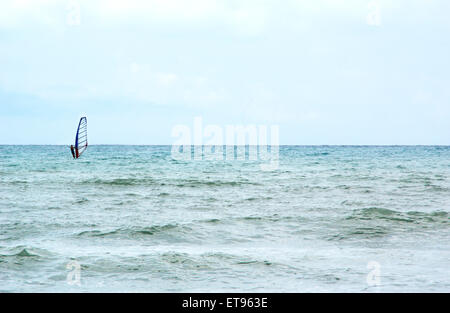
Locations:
{"points": [[81, 141]]}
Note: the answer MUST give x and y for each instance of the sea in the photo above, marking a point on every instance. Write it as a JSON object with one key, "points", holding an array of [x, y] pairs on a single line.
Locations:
{"points": [[134, 219]]}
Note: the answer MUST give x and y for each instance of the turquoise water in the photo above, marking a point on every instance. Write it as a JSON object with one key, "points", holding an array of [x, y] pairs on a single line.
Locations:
{"points": [[134, 219]]}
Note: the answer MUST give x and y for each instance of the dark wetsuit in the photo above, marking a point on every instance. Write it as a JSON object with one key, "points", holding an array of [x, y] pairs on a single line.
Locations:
{"points": [[73, 151]]}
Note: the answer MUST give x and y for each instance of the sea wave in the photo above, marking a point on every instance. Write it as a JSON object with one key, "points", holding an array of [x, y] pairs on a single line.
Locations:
{"points": [[120, 181], [133, 232], [379, 213]]}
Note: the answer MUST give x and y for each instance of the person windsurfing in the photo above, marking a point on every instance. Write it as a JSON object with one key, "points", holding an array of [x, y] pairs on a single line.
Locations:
{"points": [[72, 150], [81, 142]]}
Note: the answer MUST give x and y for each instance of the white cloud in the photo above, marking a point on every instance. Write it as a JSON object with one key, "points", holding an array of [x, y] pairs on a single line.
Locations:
{"points": [[20, 13], [158, 9], [250, 20], [247, 17], [244, 16], [134, 67], [166, 79]]}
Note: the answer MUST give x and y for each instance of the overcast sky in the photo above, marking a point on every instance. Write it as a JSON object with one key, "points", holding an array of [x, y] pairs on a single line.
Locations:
{"points": [[326, 72]]}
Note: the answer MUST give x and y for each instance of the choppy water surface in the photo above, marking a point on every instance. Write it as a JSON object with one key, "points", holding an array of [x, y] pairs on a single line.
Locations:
{"points": [[134, 219]]}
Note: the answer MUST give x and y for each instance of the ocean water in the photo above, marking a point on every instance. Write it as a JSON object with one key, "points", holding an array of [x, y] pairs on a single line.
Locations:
{"points": [[132, 219]]}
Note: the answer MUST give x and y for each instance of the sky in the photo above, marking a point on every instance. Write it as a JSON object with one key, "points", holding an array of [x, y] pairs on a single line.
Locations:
{"points": [[348, 72]]}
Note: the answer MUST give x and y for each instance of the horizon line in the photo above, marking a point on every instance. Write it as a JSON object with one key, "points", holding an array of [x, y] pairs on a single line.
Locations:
{"points": [[281, 145]]}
